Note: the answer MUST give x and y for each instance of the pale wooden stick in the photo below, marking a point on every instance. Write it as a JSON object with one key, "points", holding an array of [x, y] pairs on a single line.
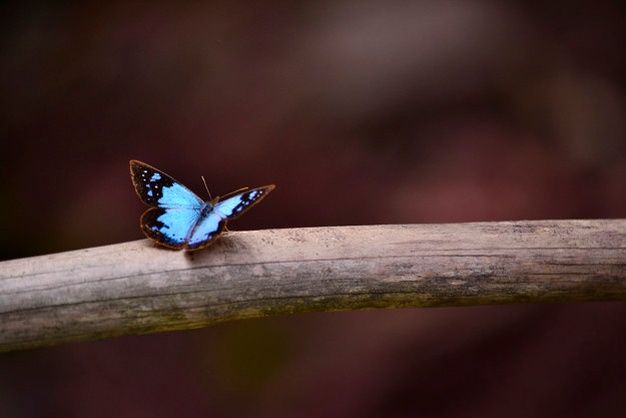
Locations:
{"points": [[135, 288]]}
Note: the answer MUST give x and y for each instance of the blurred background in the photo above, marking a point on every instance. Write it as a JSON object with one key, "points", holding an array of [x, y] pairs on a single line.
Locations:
{"points": [[428, 111]]}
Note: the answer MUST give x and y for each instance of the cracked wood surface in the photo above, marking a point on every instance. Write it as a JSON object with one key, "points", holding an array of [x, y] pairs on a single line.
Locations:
{"points": [[136, 288]]}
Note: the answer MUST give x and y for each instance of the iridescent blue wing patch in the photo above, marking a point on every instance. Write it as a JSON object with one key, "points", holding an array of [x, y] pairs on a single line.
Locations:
{"points": [[170, 227], [155, 188], [206, 231], [178, 218], [234, 204]]}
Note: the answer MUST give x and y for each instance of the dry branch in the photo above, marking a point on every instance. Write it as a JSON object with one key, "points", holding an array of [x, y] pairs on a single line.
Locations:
{"points": [[135, 288]]}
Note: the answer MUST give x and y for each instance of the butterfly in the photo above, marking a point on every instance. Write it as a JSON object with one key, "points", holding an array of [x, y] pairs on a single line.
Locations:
{"points": [[178, 218]]}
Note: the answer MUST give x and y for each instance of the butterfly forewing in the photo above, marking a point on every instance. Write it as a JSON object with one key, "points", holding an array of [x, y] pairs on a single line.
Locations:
{"points": [[211, 225], [233, 205], [155, 188]]}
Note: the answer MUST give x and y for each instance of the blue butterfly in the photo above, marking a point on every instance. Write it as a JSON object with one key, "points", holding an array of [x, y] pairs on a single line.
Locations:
{"points": [[178, 218]]}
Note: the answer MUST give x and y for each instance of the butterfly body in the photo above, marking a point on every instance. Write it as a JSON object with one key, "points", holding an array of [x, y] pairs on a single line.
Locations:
{"points": [[178, 218]]}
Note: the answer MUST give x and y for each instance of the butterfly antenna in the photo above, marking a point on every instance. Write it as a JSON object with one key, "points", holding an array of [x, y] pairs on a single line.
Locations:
{"points": [[206, 187]]}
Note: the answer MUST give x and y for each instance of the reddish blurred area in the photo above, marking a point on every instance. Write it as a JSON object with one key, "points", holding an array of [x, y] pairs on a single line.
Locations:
{"points": [[361, 112]]}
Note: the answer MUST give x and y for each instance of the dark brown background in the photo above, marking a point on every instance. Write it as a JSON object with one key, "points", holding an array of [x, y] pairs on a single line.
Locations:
{"points": [[361, 112]]}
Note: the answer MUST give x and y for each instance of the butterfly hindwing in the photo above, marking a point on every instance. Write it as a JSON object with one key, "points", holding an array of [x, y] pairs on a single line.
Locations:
{"points": [[206, 231], [155, 188], [170, 227], [233, 205]]}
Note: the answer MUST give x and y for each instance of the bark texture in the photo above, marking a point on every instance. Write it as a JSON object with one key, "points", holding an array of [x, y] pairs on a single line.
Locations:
{"points": [[136, 288]]}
